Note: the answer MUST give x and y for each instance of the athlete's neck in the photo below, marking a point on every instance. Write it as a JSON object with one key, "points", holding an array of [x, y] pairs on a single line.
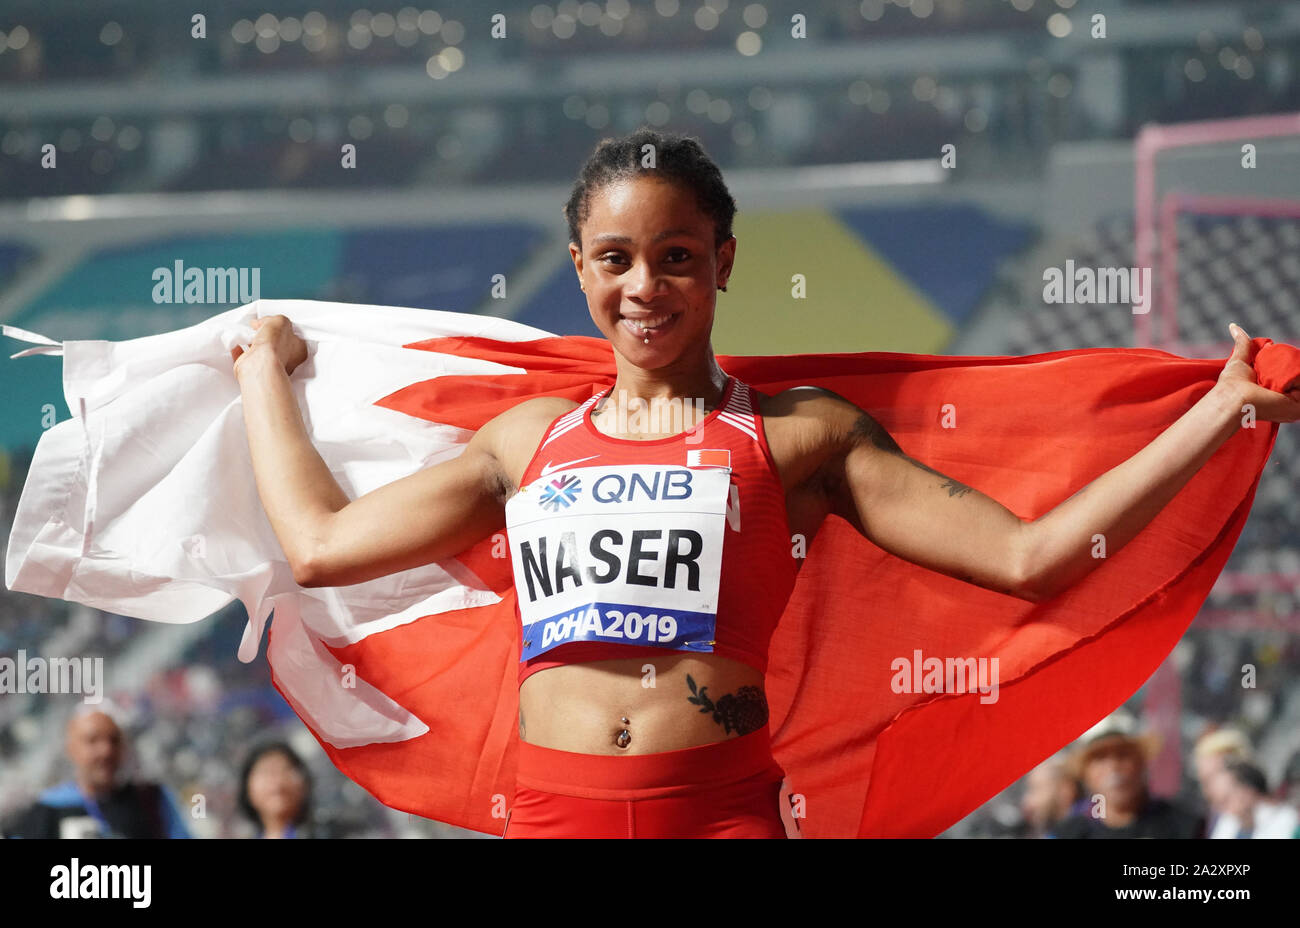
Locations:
{"points": [[699, 383]]}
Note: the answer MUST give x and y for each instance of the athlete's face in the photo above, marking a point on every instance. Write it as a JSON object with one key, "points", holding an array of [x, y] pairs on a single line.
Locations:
{"points": [[650, 269]]}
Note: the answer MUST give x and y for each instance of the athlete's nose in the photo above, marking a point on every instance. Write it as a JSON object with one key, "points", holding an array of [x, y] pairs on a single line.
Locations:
{"points": [[642, 282]]}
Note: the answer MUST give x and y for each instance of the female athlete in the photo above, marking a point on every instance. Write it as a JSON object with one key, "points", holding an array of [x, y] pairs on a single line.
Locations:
{"points": [[653, 553]]}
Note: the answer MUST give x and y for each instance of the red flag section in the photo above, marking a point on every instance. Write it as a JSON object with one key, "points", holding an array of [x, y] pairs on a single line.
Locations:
{"points": [[867, 753]]}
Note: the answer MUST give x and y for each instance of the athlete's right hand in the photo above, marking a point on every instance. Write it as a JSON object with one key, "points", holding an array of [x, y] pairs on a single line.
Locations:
{"points": [[275, 338]]}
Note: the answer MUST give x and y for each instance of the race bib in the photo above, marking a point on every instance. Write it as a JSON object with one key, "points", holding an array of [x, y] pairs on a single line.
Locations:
{"points": [[627, 554]]}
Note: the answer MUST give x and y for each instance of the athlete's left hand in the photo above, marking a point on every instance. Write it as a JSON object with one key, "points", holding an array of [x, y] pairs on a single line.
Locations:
{"points": [[1239, 376]]}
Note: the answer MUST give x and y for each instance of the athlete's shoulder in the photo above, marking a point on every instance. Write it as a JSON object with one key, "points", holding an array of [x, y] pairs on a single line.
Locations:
{"points": [[814, 415], [511, 437], [533, 413], [541, 407], [808, 429]]}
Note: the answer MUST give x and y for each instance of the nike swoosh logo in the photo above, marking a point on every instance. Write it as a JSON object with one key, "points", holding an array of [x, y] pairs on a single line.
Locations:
{"points": [[548, 467]]}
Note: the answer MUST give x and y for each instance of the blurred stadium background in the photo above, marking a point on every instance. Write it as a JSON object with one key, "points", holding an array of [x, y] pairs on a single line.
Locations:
{"points": [[226, 150]]}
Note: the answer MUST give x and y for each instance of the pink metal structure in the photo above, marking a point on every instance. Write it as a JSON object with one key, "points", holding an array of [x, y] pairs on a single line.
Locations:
{"points": [[1151, 141], [1154, 220]]}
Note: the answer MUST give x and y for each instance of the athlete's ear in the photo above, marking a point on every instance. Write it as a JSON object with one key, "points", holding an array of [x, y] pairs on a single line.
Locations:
{"points": [[726, 259], [575, 252]]}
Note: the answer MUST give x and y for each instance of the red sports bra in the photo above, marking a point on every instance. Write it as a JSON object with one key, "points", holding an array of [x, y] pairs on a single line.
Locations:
{"points": [[624, 548]]}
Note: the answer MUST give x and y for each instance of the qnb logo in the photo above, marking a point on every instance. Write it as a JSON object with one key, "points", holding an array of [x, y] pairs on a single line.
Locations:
{"points": [[670, 485], [561, 493]]}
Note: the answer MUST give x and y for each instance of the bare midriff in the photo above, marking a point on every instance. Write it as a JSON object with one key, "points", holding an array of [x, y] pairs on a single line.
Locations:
{"points": [[641, 705]]}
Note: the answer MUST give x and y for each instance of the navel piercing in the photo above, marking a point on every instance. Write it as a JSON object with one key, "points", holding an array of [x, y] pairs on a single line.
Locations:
{"points": [[624, 738], [647, 339]]}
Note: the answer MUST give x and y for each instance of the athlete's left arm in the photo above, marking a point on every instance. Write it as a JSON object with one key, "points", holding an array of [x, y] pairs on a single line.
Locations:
{"points": [[921, 515], [906, 507]]}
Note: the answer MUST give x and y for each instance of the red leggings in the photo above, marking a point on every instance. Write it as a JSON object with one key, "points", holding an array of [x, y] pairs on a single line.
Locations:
{"points": [[730, 789]]}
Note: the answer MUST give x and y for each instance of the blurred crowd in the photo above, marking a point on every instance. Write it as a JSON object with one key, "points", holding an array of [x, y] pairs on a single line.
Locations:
{"points": [[273, 793], [525, 127], [1235, 736], [1100, 789]]}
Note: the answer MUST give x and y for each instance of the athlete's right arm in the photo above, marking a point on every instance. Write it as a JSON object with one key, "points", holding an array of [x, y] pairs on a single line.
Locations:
{"points": [[330, 540], [430, 515]]}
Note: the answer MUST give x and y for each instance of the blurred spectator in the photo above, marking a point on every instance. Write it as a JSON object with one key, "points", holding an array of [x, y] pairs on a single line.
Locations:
{"points": [[1212, 751], [1051, 792], [275, 792], [94, 804], [1243, 791], [1112, 763], [1289, 790]]}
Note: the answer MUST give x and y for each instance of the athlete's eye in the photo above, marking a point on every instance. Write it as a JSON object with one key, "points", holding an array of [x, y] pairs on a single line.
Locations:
{"points": [[674, 256]]}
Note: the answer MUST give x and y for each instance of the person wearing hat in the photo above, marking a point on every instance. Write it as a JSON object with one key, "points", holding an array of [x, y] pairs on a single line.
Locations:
{"points": [[1111, 762]]}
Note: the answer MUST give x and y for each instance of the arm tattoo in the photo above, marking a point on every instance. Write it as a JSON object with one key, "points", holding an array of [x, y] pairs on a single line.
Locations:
{"points": [[954, 487], [869, 429], [744, 710]]}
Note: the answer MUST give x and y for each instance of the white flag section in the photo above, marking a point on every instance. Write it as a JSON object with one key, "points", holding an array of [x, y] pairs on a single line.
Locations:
{"points": [[144, 502]]}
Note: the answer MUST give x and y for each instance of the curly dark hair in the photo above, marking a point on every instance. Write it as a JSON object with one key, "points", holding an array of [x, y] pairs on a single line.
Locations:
{"points": [[273, 747], [677, 158]]}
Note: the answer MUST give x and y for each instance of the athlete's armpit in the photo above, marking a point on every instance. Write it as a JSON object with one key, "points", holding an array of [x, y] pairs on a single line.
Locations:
{"points": [[866, 428]]}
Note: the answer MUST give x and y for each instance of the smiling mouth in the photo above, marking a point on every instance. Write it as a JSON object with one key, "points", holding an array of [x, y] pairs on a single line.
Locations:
{"points": [[648, 327]]}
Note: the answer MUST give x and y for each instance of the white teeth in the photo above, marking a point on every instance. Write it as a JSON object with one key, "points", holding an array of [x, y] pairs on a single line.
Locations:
{"points": [[652, 322]]}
